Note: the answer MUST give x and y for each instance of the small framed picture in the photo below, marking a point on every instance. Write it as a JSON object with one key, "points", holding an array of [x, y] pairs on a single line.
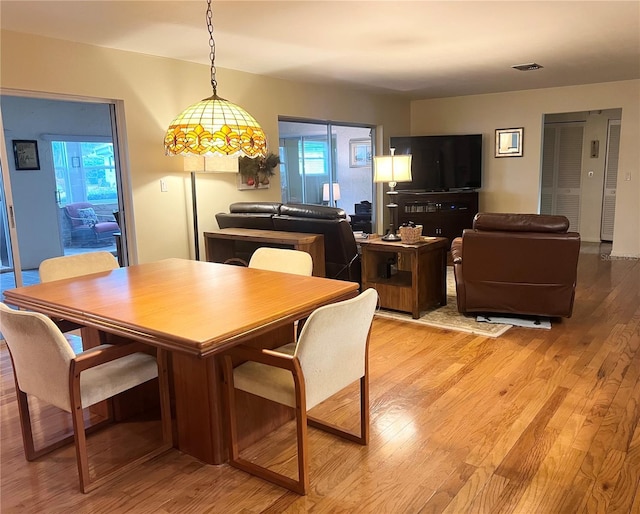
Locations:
{"points": [[26, 154], [509, 142], [359, 153]]}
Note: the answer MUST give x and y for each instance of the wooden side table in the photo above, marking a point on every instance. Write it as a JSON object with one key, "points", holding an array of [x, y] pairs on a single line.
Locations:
{"points": [[408, 277], [220, 244]]}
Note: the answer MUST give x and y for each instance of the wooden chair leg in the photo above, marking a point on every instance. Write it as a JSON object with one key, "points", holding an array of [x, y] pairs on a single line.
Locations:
{"points": [[80, 436], [232, 425], [299, 486], [25, 424], [86, 483], [303, 464], [363, 436], [24, 414], [364, 409]]}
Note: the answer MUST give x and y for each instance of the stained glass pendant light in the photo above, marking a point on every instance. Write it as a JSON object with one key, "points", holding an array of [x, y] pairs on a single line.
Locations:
{"points": [[215, 126]]}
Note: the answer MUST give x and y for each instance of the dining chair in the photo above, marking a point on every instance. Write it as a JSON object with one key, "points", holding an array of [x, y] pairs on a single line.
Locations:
{"points": [[69, 266], [46, 367], [283, 260], [330, 354]]}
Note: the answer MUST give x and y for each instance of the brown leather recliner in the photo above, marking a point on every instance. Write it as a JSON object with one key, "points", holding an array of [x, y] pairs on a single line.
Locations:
{"points": [[516, 264]]}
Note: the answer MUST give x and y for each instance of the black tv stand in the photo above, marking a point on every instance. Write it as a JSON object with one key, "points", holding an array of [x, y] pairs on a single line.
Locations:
{"points": [[441, 214]]}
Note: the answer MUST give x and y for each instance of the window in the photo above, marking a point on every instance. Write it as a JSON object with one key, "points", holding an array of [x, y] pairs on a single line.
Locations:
{"points": [[313, 157], [85, 172]]}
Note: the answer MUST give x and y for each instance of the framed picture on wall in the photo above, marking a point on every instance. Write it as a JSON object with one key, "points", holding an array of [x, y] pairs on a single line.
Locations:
{"points": [[26, 154], [509, 142], [359, 153]]}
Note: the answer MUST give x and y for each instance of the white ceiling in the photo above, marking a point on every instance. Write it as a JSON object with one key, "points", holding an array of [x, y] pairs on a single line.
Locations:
{"points": [[422, 49]]}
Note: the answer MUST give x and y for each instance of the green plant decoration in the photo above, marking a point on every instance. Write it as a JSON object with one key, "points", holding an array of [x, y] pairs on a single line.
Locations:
{"points": [[258, 170]]}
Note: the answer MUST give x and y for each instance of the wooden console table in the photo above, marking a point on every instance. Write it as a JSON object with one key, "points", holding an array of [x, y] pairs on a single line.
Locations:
{"points": [[220, 244], [408, 277]]}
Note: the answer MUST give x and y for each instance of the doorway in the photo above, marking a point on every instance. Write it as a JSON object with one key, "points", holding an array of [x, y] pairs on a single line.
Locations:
{"points": [[579, 170], [327, 163], [78, 163]]}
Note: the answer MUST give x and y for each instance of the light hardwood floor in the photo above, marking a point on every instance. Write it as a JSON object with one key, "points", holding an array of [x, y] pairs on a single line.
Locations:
{"points": [[534, 421]]}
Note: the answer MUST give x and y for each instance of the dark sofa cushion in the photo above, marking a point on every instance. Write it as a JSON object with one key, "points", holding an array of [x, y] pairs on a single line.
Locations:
{"points": [[303, 210], [341, 253], [258, 221], [255, 207], [340, 249]]}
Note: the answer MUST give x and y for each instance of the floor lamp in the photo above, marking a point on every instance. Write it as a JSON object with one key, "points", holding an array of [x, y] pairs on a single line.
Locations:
{"points": [[196, 165], [392, 169], [335, 190]]}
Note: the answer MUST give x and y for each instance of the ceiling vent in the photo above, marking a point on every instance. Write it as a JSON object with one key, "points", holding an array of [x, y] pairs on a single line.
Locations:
{"points": [[528, 67]]}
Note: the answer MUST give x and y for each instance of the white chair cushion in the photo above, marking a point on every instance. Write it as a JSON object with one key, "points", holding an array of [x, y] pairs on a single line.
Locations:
{"points": [[332, 346], [331, 351], [266, 381], [111, 378]]}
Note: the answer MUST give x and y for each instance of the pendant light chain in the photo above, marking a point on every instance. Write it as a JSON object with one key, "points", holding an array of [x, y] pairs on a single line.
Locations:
{"points": [[212, 48], [215, 126]]}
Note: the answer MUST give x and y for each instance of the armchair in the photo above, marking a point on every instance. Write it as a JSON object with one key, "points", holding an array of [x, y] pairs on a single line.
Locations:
{"points": [[88, 227], [516, 263], [46, 367], [330, 354], [68, 266]]}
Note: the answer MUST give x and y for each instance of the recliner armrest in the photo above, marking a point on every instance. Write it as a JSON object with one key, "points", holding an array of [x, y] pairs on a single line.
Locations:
{"points": [[456, 250]]}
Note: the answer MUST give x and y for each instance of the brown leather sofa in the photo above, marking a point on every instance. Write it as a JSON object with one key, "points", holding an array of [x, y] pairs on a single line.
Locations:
{"points": [[341, 252], [516, 264]]}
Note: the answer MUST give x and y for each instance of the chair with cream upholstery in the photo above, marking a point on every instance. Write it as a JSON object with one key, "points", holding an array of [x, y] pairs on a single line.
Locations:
{"points": [[281, 259], [330, 354], [285, 261], [70, 266], [46, 367]]}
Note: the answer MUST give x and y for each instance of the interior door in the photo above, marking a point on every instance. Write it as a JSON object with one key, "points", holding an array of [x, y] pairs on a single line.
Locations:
{"points": [[610, 180], [562, 171]]}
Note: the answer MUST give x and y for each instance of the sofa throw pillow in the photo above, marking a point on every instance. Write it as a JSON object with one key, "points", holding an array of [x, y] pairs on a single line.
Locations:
{"points": [[88, 216]]}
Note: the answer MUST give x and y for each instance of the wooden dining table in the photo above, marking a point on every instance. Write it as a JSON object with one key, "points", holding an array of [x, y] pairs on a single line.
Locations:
{"points": [[195, 310]]}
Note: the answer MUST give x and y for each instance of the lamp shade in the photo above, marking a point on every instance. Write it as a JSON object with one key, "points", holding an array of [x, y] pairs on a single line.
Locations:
{"points": [[325, 192], [214, 164], [215, 126], [392, 168]]}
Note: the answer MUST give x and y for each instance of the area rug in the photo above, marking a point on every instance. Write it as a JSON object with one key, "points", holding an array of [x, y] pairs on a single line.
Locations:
{"points": [[448, 317]]}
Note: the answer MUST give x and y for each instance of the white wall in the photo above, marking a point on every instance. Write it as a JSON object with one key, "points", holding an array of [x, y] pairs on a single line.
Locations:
{"points": [[513, 184]]}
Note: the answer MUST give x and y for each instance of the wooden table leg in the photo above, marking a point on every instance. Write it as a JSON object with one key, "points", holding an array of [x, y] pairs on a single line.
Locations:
{"points": [[200, 427], [198, 388]]}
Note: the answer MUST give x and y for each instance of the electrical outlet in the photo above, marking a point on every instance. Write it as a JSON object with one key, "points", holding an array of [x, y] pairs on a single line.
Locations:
{"points": [[163, 185]]}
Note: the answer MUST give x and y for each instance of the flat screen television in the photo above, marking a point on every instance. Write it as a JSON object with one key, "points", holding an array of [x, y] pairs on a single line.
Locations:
{"points": [[441, 163]]}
